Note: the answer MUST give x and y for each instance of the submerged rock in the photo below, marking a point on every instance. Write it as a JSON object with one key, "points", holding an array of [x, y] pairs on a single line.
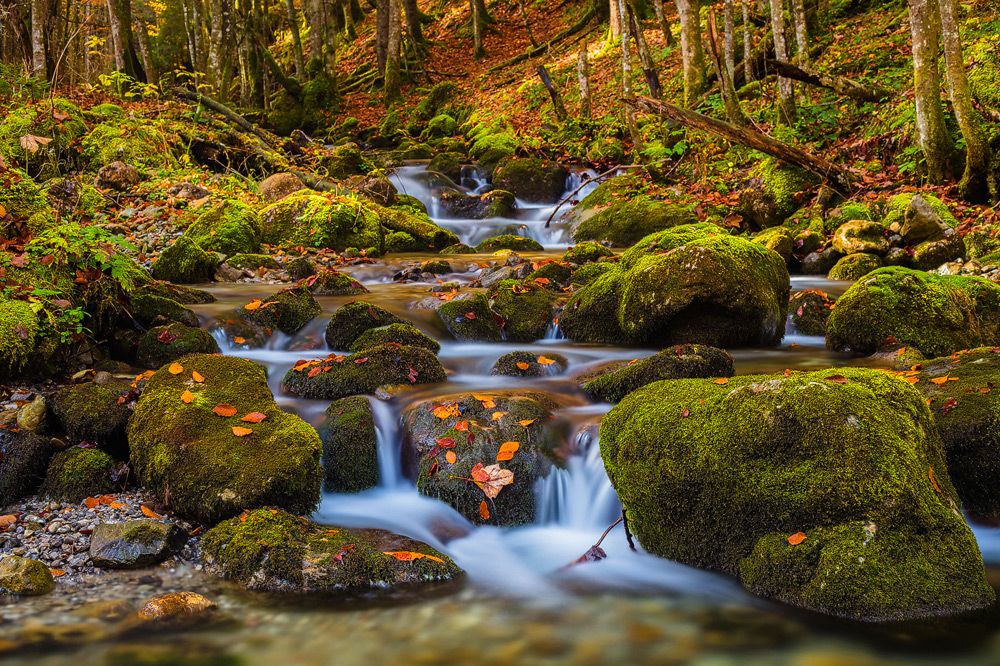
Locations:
{"points": [[221, 445], [495, 203], [936, 314], [826, 490], [339, 376], [350, 446], [20, 575], [273, 551], [616, 380], [134, 544], [177, 610]]}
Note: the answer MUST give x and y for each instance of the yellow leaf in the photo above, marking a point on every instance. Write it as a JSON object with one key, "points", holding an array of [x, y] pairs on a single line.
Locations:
{"points": [[445, 411], [525, 422], [545, 360], [149, 513], [939, 380], [56, 573], [240, 431], [721, 380], [175, 368], [451, 457], [197, 376], [507, 451], [498, 415], [239, 340], [253, 305], [224, 410], [187, 397]]}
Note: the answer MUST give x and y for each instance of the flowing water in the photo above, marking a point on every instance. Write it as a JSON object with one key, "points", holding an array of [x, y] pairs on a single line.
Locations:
{"points": [[520, 604]]}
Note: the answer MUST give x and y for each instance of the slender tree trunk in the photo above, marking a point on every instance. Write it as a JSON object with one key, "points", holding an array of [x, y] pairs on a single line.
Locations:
{"points": [[414, 19], [38, 21], [614, 20], [974, 185], [293, 28], [527, 23], [692, 52], [583, 80], [786, 91], [142, 39], [733, 110], [381, 33], [477, 29], [931, 133], [801, 33], [645, 56], [393, 48], [661, 17], [557, 103], [747, 43], [627, 94], [729, 39]]}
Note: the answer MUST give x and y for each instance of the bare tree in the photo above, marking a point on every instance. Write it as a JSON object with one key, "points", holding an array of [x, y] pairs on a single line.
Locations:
{"points": [[39, 13], [394, 42], [692, 52], [931, 133], [786, 91], [747, 42], [661, 17], [583, 80]]}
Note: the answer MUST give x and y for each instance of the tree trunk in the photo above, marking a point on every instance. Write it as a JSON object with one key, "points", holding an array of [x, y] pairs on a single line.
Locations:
{"points": [[747, 43], [414, 23], [724, 74], [38, 20], [661, 17], [801, 33], [730, 38], [839, 84], [615, 21], [557, 103], [381, 33], [692, 52], [931, 133], [974, 185], [393, 49], [583, 80], [633, 129], [142, 38], [293, 28], [786, 92], [645, 57], [477, 29]]}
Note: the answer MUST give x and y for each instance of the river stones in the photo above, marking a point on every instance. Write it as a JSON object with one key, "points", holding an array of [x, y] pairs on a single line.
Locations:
{"points": [[826, 490], [689, 284], [333, 283], [229, 227], [177, 610], [21, 575], [481, 452], [24, 459], [270, 550], [134, 544], [809, 310], [860, 236], [353, 319], [338, 376], [524, 307], [854, 266], [333, 221], [288, 311], [529, 364], [470, 319], [220, 445], [495, 203], [935, 314], [350, 446], [615, 380]]}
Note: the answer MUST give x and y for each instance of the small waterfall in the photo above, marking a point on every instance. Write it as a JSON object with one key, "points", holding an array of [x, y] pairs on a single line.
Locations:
{"points": [[473, 178], [553, 332], [388, 439], [580, 495]]}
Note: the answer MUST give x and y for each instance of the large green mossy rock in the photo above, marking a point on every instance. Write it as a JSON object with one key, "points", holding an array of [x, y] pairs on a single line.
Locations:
{"points": [[720, 476], [363, 372], [162, 344], [228, 227], [350, 446], [774, 193], [963, 391], [270, 550], [613, 382], [531, 179], [333, 222], [288, 311], [183, 449], [935, 314], [471, 319], [475, 427], [23, 576], [524, 307], [417, 225], [400, 334], [93, 413], [139, 143], [693, 283], [351, 320], [185, 262], [511, 242], [854, 266], [22, 198]]}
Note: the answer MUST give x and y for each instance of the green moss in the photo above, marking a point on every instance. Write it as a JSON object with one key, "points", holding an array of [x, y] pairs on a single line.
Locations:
{"points": [[470, 320], [74, 198], [448, 164], [509, 242], [19, 330], [894, 209], [529, 364], [553, 275], [625, 222], [763, 457], [589, 272], [586, 252], [333, 222], [591, 314], [102, 112], [253, 262], [188, 451], [678, 362], [229, 226], [774, 193], [287, 311], [400, 333], [139, 143], [777, 239], [860, 236], [58, 120], [425, 234], [20, 196], [77, 473], [847, 212], [525, 308], [185, 262], [20, 575], [531, 179], [24, 459], [333, 283], [350, 446], [352, 319], [809, 310], [935, 314], [854, 266], [267, 544], [91, 412], [179, 293], [980, 244], [147, 308], [434, 101], [345, 160], [163, 344], [441, 125], [458, 248], [984, 75]]}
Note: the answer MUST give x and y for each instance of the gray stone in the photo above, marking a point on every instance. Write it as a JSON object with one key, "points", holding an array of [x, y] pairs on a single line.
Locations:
{"points": [[20, 575], [134, 544], [921, 223]]}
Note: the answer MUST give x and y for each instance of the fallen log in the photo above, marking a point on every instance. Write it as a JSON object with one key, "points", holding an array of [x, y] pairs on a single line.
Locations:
{"points": [[839, 84], [837, 176]]}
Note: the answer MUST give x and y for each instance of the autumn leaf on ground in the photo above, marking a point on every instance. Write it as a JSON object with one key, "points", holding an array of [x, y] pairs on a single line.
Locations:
{"points": [[462, 426], [525, 422], [254, 417], [930, 475], [837, 379], [445, 411], [409, 556], [522, 365], [56, 573], [797, 538], [545, 360], [943, 380], [224, 410], [175, 368], [197, 376], [253, 305], [507, 450], [496, 416], [240, 431], [6, 521], [451, 457], [187, 397], [484, 510], [32, 143], [491, 479], [721, 381], [486, 400], [149, 513]]}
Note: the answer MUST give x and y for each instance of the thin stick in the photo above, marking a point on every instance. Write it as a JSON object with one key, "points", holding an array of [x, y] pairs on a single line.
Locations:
{"points": [[583, 185], [612, 526]]}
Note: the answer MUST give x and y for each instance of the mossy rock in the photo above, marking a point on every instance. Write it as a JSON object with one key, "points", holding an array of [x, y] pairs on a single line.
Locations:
{"points": [[552, 274], [895, 207], [21, 196], [180, 293], [353, 319], [333, 283], [24, 459], [586, 252], [400, 334], [477, 439], [363, 372], [720, 477], [809, 310], [24, 576], [509, 242], [252, 262], [269, 550], [288, 311], [300, 268], [458, 248], [937, 315], [59, 121], [164, 344], [932, 254], [350, 446], [525, 307], [344, 160], [92, 413], [616, 380], [106, 111], [187, 450], [148, 308], [77, 473], [777, 239], [185, 262], [19, 336], [138, 143], [529, 364], [489, 149], [399, 241], [448, 164], [228, 227], [426, 234], [622, 223], [71, 197], [857, 236], [471, 319], [531, 179], [134, 544], [774, 193], [587, 273], [854, 266], [333, 222]]}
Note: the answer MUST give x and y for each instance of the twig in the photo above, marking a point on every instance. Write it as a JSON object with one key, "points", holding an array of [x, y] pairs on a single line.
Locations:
{"points": [[569, 196], [628, 532]]}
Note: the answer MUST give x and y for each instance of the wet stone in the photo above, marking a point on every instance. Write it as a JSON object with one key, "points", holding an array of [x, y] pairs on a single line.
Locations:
{"points": [[134, 544]]}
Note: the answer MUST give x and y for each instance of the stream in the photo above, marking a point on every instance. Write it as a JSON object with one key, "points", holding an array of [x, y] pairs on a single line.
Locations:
{"points": [[518, 603]]}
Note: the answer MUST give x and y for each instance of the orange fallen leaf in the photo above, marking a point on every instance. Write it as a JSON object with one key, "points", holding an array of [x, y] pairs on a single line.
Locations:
{"points": [[149, 513], [7, 520], [253, 305], [930, 475], [56, 573], [451, 457], [409, 556], [224, 410], [484, 510], [239, 340], [197, 376], [498, 415], [187, 397], [116, 505], [943, 380], [545, 360], [462, 426], [445, 411], [491, 479], [254, 417], [521, 365], [797, 538], [911, 380], [175, 368], [721, 381], [240, 431], [507, 451], [485, 399], [525, 422]]}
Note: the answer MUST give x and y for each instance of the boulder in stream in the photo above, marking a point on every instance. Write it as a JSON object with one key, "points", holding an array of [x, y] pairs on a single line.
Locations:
{"points": [[399, 334], [91, 412], [228, 227], [352, 319], [531, 179], [79, 472], [185, 262], [270, 550], [511, 242], [529, 364], [826, 490], [160, 345], [524, 307], [134, 544], [24, 576], [809, 310], [471, 319], [350, 446], [613, 381], [338, 376], [288, 311]]}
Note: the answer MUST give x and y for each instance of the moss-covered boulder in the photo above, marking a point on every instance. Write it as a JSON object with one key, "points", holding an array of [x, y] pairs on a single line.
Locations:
{"points": [[612, 382], [809, 310], [935, 314], [24, 459], [509, 242], [325, 221], [134, 544], [417, 225], [825, 490], [180, 293], [448, 164], [495, 203], [79, 472], [553, 275], [589, 272], [163, 344], [854, 266], [344, 160], [778, 239], [333, 283], [338, 376], [136, 142], [19, 336], [622, 223], [91, 413], [524, 307], [900, 208], [22, 198], [497, 442], [400, 334], [288, 310], [185, 262], [860, 236], [277, 186], [42, 137], [692, 283], [531, 179], [529, 364], [270, 550], [350, 446], [24, 576], [586, 252], [471, 319], [931, 254], [353, 319], [252, 263], [773, 193], [458, 248], [221, 445], [150, 309], [228, 227]]}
